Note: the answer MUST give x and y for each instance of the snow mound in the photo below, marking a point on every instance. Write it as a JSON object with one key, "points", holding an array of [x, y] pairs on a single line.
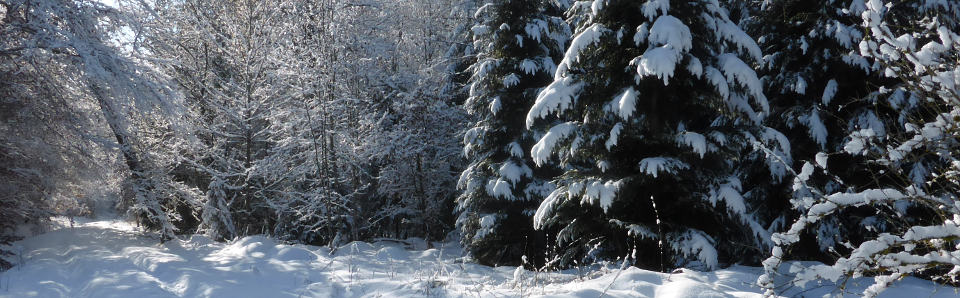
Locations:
{"points": [[247, 247], [295, 254], [393, 253], [353, 248], [110, 259]]}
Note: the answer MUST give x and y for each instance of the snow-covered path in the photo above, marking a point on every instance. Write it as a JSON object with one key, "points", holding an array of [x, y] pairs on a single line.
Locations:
{"points": [[110, 259]]}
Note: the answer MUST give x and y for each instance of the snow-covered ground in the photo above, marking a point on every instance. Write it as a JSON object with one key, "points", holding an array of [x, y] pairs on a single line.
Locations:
{"points": [[110, 259]]}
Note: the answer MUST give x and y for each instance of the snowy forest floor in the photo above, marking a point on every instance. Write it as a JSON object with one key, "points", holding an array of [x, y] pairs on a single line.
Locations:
{"points": [[111, 259]]}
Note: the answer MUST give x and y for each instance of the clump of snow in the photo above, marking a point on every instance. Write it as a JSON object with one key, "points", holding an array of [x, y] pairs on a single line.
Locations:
{"points": [[669, 38], [669, 31], [829, 91], [515, 149], [584, 39], [695, 141], [652, 7], [499, 188], [495, 105], [858, 141], [511, 80], [544, 148], [529, 66], [555, 98], [778, 158], [487, 222], [614, 136], [513, 172], [653, 166], [694, 66], [737, 71], [729, 193], [821, 160], [800, 86], [660, 62], [602, 193], [698, 244], [627, 103], [805, 172], [716, 78], [818, 131]]}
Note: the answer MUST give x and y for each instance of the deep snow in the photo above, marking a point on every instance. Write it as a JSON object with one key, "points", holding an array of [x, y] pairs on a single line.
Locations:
{"points": [[112, 259]]}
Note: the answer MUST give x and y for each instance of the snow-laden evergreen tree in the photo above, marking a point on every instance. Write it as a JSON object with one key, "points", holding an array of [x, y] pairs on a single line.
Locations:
{"points": [[655, 101], [821, 89], [517, 43], [460, 54], [910, 170]]}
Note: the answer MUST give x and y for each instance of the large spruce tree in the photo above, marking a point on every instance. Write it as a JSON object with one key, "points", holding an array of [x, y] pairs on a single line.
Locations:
{"points": [[655, 102], [893, 206], [824, 93], [517, 43]]}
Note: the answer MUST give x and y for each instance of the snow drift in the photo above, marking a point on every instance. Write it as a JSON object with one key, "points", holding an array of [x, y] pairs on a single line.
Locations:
{"points": [[111, 259]]}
